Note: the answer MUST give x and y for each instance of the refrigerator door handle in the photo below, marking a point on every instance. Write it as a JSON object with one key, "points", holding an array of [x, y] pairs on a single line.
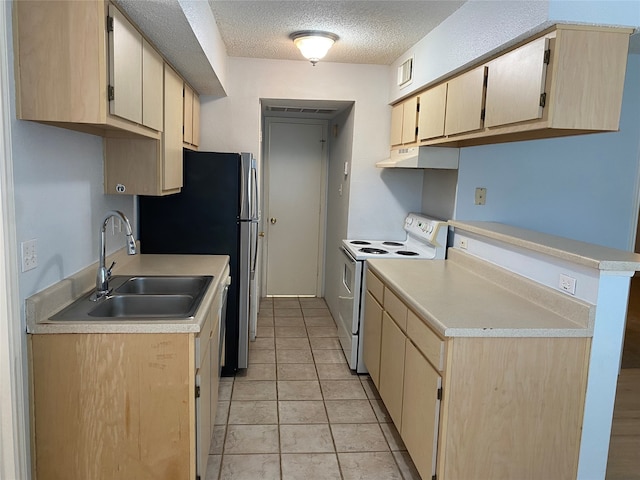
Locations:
{"points": [[254, 194], [243, 188], [254, 259]]}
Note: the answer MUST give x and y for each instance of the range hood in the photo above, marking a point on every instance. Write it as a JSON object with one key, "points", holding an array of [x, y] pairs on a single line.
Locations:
{"points": [[422, 157]]}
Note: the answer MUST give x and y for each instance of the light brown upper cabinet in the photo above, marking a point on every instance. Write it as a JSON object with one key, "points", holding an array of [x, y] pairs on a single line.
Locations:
{"points": [[65, 59], [433, 103], [404, 122], [145, 166], [125, 67], [516, 84], [567, 80], [465, 101], [191, 122], [153, 87]]}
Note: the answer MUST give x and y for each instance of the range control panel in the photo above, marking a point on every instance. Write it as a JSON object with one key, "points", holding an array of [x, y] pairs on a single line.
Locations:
{"points": [[426, 229]]}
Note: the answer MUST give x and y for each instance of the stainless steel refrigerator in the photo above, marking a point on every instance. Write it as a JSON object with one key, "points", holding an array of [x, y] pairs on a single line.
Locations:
{"points": [[215, 213]]}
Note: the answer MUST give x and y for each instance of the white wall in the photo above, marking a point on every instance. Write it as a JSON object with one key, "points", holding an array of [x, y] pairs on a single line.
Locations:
{"points": [[378, 200], [340, 146], [581, 187], [203, 24]]}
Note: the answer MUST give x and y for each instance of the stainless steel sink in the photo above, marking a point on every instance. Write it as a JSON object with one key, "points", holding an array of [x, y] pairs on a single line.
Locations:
{"points": [[164, 285], [145, 306], [141, 298]]}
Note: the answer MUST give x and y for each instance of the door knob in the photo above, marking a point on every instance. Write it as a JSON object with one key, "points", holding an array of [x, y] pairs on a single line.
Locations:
{"points": [[273, 220], [261, 234]]}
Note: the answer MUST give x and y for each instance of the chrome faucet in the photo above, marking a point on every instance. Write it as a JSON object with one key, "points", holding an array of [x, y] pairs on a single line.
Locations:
{"points": [[104, 273]]}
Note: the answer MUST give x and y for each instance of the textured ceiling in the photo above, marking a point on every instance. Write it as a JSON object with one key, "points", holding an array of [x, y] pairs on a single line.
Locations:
{"points": [[370, 31]]}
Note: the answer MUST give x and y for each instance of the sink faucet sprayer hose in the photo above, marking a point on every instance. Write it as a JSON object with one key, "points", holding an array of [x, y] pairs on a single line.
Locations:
{"points": [[104, 273]]}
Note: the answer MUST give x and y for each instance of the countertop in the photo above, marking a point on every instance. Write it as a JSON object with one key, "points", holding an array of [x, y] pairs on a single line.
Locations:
{"points": [[459, 301], [42, 305], [582, 253]]}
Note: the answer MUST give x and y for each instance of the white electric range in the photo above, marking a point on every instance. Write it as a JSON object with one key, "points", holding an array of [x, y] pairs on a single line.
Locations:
{"points": [[426, 239]]}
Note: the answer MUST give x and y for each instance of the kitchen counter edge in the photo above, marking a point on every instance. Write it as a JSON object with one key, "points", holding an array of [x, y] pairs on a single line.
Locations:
{"points": [[581, 253], [453, 317]]}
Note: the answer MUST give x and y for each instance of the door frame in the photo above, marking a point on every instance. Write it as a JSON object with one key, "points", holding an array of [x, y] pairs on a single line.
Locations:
{"points": [[13, 429], [324, 167]]}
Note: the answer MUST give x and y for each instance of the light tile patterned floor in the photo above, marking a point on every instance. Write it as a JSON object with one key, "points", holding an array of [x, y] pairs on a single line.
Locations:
{"points": [[298, 411]]}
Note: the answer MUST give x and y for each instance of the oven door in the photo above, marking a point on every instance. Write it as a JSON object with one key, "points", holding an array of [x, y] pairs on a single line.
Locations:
{"points": [[349, 306]]}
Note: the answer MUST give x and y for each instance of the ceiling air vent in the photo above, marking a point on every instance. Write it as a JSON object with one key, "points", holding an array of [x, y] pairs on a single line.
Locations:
{"points": [[405, 72]]}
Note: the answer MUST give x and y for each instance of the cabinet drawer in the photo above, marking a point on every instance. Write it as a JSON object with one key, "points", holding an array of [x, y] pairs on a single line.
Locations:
{"points": [[431, 346], [397, 310], [374, 285]]}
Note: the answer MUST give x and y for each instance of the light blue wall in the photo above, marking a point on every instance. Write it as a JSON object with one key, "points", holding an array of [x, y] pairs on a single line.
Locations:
{"points": [[581, 187], [613, 12]]}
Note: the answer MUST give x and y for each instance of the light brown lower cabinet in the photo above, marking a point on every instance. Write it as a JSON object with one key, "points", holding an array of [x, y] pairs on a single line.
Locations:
{"points": [[420, 410], [123, 406], [480, 407], [392, 367]]}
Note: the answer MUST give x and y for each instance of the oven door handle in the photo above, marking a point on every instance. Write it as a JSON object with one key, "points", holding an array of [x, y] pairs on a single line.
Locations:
{"points": [[348, 254]]}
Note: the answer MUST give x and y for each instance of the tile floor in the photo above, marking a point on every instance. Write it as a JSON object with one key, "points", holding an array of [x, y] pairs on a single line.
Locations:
{"points": [[298, 412]]}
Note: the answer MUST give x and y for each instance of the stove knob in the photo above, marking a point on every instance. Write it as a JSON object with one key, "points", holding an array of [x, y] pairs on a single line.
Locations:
{"points": [[409, 221]]}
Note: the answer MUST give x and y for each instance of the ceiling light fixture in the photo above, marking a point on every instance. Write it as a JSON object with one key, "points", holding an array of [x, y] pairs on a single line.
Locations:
{"points": [[313, 44]]}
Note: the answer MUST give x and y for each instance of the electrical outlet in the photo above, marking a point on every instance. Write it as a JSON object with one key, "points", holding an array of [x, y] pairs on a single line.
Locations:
{"points": [[29, 255], [481, 196], [567, 284]]}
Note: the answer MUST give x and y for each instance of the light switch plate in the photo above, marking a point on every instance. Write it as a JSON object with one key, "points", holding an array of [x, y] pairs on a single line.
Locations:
{"points": [[29, 255]]}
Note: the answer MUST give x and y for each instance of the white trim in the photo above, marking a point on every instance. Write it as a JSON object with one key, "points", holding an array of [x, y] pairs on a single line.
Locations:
{"points": [[13, 443]]}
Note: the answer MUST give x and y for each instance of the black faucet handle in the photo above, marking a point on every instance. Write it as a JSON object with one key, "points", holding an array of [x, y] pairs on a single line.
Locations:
{"points": [[109, 269]]}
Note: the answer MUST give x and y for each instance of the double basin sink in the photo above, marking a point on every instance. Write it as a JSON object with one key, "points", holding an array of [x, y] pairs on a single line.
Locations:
{"points": [[141, 298]]}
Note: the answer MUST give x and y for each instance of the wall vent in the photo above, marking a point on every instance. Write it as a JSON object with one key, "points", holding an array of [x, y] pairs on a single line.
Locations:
{"points": [[405, 72], [292, 109]]}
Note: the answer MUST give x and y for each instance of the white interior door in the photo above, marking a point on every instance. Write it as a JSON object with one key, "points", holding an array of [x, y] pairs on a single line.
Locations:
{"points": [[294, 220]]}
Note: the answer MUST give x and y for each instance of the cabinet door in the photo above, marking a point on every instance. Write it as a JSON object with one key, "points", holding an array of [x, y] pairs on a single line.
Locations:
{"points": [[187, 135], [465, 99], [515, 82], [173, 116], [396, 124], [410, 120], [404, 122], [203, 410], [392, 368], [125, 68], [372, 335], [432, 107], [420, 411], [152, 87]]}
